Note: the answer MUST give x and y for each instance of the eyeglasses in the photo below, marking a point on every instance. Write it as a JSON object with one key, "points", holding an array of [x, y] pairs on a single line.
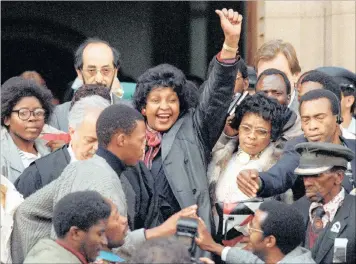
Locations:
{"points": [[260, 132], [24, 113], [107, 71], [250, 229]]}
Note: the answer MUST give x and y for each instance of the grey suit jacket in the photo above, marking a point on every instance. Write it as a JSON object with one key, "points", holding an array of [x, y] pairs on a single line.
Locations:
{"points": [[323, 250], [33, 218], [297, 255], [59, 118], [11, 163]]}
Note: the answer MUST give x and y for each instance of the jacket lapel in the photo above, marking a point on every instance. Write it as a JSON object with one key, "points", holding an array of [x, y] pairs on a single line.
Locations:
{"points": [[333, 230], [13, 156], [168, 138]]}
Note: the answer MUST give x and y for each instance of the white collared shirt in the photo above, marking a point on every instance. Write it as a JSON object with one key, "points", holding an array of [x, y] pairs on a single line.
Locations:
{"points": [[71, 153], [330, 208], [27, 158]]}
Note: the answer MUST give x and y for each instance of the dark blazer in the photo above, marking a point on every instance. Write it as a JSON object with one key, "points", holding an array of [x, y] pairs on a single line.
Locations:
{"points": [[281, 177], [323, 250], [42, 171], [59, 117]]}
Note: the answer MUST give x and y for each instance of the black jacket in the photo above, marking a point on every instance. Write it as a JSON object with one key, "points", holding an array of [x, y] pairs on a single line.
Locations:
{"points": [[323, 249], [42, 171]]}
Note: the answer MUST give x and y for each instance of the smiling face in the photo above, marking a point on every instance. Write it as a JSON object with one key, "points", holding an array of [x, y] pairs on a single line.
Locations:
{"points": [[25, 130], [93, 240], [318, 121], [162, 108], [116, 229], [274, 87], [254, 133]]}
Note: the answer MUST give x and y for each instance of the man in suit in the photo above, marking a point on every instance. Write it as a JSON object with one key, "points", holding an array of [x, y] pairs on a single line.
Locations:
{"points": [[320, 114], [82, 127], [328, 211], [96, 62]]}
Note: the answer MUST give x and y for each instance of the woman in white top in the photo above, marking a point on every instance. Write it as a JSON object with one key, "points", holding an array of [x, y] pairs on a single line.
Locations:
{"points": [[25, 108], [10, 200], [259, 122]]}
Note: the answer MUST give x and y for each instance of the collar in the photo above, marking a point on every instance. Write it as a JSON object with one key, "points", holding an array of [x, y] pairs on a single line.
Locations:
{"points": [[330, 208], [71, 153], [115, 163], [73, 251]]}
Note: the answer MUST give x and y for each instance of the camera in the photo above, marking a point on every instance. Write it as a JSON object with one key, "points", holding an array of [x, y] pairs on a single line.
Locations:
{"points": [[187, 230]]}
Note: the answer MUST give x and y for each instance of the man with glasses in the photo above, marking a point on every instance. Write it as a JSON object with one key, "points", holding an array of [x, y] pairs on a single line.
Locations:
{"points": [[96, 62], [276, 231]]}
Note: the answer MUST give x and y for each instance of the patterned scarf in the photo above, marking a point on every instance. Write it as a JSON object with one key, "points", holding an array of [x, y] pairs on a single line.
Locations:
{"points": [[153, 142]]}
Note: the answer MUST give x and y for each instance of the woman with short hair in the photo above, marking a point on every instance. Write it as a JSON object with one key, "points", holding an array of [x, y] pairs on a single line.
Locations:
{"points": [[25, 108]]}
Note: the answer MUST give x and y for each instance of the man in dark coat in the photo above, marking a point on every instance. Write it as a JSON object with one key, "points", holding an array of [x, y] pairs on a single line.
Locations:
{"points": [[328, 211], [320, 114]]}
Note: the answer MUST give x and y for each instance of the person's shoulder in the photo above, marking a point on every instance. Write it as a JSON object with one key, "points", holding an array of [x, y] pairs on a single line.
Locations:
{"points": [[62, 107]]}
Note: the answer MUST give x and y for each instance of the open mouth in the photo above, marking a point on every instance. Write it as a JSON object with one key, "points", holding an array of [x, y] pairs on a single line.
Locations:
{"points": [[163, 117]]}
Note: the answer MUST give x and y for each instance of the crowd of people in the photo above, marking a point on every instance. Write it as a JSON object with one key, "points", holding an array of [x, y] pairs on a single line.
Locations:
{"points": [[265, 166]]}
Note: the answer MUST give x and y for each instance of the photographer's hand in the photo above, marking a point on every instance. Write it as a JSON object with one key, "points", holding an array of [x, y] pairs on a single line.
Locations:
{"points": [[169, 227], [205, 241]]}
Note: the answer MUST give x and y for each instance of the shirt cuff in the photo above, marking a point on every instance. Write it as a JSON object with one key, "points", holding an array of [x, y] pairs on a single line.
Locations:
{"points": [[224, 253], [226, 61]]}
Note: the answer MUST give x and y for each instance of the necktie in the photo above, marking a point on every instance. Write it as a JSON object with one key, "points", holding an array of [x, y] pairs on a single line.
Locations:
{"points": [[317, 215]]}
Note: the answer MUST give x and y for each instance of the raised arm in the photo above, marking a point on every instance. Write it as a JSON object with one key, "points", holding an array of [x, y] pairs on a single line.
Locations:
{"points": [[209, 117]]}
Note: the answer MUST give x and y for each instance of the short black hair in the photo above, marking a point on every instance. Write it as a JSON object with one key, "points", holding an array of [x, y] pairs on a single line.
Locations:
{"points": [[78, 55], [81, 209], [273, 71], [242, 68], [325, 80], [163, 75], [267, 108], [283, 222], [16, 88], [349, 90], [322, 93], [116, 118], [89, 90], [161, 250]]}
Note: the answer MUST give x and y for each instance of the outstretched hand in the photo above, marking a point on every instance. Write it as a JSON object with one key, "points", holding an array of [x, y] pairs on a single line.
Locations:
{"points": [[231, 22]]}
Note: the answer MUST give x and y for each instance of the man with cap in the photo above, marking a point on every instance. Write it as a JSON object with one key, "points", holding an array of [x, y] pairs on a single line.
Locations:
{"points": [[328, 211], [347, 82]]}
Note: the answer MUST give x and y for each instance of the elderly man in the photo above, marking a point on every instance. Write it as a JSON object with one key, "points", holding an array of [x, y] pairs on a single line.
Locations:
{"points": [[328, 211], [96, 62], [82, 127]]}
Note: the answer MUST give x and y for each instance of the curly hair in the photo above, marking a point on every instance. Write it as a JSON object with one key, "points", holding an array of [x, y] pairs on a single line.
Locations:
{"points": [[267, 108], [81, 209], [163, 75], [16, 88], [283, 222]]}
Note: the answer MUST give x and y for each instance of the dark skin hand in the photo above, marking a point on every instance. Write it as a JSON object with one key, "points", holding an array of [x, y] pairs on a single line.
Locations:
{"points": [[249, 182]]}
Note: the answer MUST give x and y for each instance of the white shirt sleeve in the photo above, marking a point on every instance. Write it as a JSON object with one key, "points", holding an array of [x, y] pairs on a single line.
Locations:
{"points": [[224, 253]]}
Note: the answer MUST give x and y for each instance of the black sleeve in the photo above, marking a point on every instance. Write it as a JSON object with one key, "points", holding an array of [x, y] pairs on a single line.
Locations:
{"points": [[29, 181]]}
